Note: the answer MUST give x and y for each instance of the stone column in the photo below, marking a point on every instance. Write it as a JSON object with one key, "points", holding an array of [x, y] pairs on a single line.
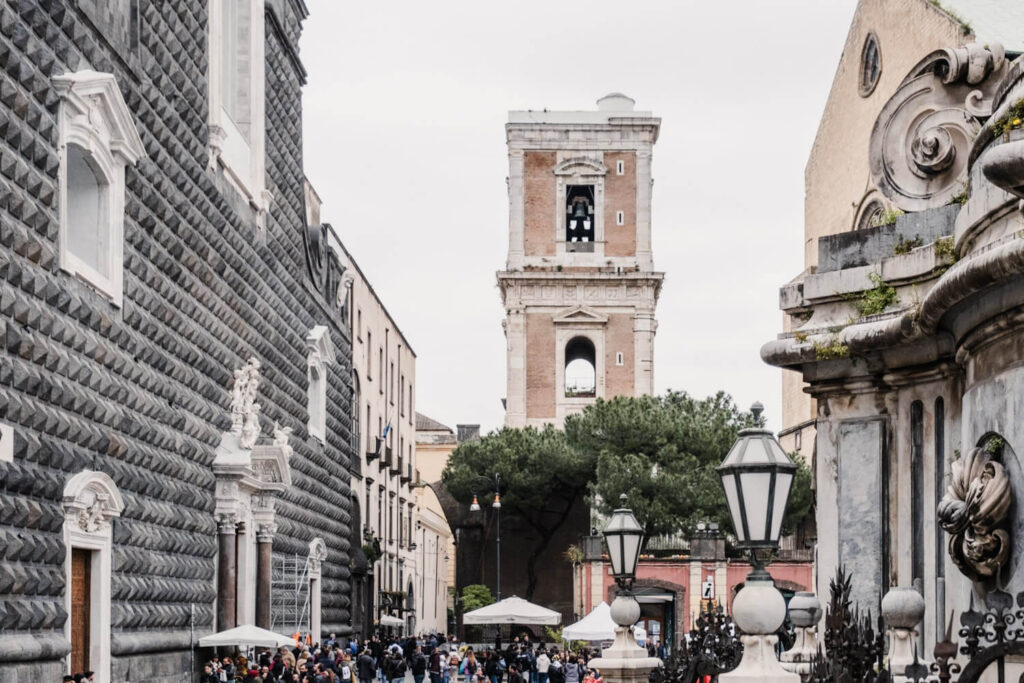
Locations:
{"points": [[226, 589], [264, 545]]}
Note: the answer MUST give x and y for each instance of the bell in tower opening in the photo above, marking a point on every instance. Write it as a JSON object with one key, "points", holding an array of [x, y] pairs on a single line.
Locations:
{"points": [[579, 210]]}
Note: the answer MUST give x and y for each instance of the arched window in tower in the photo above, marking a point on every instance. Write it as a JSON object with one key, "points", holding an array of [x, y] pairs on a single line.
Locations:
{"points": [[580, 368], [579, 213]]}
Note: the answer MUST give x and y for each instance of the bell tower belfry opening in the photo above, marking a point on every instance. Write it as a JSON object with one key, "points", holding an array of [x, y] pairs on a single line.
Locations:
{"points": [[579, 286]]}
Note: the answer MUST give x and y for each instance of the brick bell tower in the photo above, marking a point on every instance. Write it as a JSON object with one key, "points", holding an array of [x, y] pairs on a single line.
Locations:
{"points": [[579, 287]]}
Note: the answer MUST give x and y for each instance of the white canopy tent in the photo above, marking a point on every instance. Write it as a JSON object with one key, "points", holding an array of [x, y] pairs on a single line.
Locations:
{"points": [[388, 620], [513, 611], [597, 625], [246, 636]]}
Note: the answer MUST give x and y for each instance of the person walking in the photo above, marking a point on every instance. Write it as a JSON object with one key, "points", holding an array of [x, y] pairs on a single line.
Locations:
{"points": [[394, 666], [418, 664], [366, 670]]}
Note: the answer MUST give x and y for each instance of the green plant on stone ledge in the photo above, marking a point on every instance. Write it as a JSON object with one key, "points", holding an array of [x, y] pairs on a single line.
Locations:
{"points": [[885, 217], [1011, 120], [831, 349], [875, 300], [905, 246], [963, 195], [965, 26], [944, 249]]}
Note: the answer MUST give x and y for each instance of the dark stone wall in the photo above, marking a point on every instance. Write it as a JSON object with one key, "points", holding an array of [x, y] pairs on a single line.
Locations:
{"points": [[141, 392]]}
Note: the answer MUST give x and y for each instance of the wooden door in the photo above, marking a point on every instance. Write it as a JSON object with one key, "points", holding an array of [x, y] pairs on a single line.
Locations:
{"points": [[80, 609]]}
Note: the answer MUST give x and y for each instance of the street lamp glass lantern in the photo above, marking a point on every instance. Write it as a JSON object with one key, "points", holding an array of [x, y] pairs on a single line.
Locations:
{"points": [[497, 501], [624, 537], [757, 476], [475, 505]]}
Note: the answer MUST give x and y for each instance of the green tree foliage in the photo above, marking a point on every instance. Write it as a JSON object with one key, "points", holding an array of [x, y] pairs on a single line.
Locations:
{"points": [[541, 478], [663, 452], [475, 596]]}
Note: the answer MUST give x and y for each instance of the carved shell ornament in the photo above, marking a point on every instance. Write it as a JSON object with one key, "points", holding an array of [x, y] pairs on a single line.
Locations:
{"points": [[921, 139], [974, 513]]}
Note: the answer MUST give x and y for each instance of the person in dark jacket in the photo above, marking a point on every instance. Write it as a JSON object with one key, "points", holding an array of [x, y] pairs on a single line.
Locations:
{"points": [[436, 664], [366, 670], [418, 664]]}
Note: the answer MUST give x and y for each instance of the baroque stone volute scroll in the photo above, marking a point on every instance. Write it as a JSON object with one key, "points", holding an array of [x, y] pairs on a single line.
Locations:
{"points": [[921, 140], [974, 513]]}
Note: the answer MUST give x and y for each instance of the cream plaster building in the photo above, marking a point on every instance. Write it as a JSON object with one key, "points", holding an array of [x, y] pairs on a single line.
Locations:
{"points": [[579, 286], [383, 384], [887, 38]]}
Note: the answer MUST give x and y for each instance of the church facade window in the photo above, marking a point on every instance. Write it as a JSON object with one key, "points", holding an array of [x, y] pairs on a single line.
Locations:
{"points": [[870, 65], [97, 140], [321, 353]]}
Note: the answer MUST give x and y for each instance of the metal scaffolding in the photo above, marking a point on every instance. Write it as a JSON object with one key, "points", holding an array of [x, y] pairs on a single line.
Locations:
{"points": [[289, 594]]}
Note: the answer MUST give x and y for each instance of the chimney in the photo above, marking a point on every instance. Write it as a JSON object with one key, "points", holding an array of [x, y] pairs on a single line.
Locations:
{"points": [[468, 433]]}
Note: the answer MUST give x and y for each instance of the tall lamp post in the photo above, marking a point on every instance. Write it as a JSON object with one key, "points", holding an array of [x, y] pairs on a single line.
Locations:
{"points": [[757, 476], [496, 504], [624, 661]]}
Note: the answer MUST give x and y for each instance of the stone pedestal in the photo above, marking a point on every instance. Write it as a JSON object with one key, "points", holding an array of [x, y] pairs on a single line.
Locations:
{"points": [[902, 609], [804, 612], [758, 611], [625, 661]]}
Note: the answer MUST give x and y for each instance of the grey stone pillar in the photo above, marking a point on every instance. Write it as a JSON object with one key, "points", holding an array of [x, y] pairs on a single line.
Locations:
{"points": [[264, 544], [226, 569]]}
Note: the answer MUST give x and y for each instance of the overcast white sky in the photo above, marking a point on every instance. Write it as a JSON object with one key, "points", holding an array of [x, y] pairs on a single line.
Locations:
{"points": [[404, 140]]}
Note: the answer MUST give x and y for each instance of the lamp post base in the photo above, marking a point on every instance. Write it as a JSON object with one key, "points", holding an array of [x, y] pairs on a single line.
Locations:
{"points": [[625, 661], [759, 664]]}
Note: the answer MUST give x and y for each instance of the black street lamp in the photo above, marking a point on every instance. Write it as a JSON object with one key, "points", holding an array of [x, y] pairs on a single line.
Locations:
{"points": [[757, 476], [624, 537], [496, 505]]}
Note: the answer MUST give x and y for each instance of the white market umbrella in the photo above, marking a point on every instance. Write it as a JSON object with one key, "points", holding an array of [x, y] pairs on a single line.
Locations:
{"points": [[388, 620], [246, 636], [512, 611], [597, 625]]}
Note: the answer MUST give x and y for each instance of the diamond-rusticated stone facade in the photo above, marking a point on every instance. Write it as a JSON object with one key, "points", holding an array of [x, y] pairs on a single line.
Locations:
{"points": [[142, 392]]}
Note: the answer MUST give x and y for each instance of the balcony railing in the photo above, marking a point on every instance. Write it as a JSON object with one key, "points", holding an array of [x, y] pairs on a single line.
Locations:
{"points": [[375, 453]]}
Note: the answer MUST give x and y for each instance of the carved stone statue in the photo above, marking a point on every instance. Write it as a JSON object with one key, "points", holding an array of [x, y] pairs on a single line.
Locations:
{"points": [[974, 513], [244, 409]]}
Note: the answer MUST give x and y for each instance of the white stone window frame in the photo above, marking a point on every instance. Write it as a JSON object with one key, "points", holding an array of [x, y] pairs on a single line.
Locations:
{"points": [[317, 556], [91, 502], [320, 354], [579, 171], [94, 117], [578, 323], [243, 160]]}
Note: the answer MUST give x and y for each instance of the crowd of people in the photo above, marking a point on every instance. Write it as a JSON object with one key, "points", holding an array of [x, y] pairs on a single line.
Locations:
{"points": [[80, 678], [383, 659]]}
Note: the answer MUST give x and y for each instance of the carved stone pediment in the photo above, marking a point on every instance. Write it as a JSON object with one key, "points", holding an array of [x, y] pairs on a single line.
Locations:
{"points": [[270, 466], [921, 140], [579, 314], [580, 166], [91, 500]]}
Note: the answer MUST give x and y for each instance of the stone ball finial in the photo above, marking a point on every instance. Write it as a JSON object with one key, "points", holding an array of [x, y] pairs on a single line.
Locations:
{"points": [[804, 609], [625, 611], [903, 608], [756, 410], [759, 608]]}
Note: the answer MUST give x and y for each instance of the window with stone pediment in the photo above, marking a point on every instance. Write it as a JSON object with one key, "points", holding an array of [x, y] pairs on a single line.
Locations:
{"points": [[236, 93], [98, 139], [321, 353]]}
